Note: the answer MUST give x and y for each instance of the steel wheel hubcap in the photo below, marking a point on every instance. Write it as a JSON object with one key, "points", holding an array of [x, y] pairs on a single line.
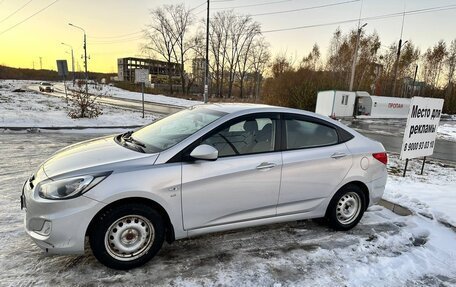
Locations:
{"points": [[129, 237], [348, 208]]}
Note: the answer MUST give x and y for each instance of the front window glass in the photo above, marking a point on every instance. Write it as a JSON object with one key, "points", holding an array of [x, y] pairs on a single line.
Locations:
{"points": [[244, 137], [171, 130]]}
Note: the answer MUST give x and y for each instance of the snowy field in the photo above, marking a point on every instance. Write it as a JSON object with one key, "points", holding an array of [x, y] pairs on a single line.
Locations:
{"points": [[105, 90], [33, 109], [383, 250], [432, 194]]}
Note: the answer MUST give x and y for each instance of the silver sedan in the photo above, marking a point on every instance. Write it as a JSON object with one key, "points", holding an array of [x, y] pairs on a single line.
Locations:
{"points": [[205, 169]]}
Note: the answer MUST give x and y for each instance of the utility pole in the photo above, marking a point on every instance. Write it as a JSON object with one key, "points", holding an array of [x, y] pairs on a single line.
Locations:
{"points": [[72, 61], [206, 76], [398, 55], [393, 92], [85, 58], [414, 79], [355, 56], [41, 63]]}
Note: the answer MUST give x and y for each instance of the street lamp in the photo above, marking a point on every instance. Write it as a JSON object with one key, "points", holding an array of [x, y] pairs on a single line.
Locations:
{"points": [[85, 56], [72, 60], [355, 56]]}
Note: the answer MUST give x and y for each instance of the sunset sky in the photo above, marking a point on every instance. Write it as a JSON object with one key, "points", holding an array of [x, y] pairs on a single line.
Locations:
{"points": [[113, 26]]}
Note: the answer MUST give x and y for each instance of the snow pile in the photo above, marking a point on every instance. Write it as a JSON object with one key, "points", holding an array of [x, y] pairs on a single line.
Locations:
{"points": [[105, 90], [32, 109], [432, 194]]}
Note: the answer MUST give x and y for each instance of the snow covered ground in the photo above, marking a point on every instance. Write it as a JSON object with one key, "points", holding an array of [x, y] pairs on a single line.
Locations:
{"points": [[383, 250], [105, 90], [432, 194], [33, 109], [447, 131]]}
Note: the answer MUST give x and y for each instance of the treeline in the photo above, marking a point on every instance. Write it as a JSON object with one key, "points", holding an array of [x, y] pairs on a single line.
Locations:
{"points": [[238, 54], [45, 75], [429, 74]]}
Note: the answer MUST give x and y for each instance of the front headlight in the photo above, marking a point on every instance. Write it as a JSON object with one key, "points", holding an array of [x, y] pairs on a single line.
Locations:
{"points": [[68, 187]]}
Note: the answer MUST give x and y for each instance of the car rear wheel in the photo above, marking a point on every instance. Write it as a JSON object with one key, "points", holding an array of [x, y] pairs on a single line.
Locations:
{"points": [[346, 208], [127, 236]]}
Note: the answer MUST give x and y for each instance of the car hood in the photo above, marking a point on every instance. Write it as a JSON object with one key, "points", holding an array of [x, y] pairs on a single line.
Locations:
{"points": [[97, 155]]}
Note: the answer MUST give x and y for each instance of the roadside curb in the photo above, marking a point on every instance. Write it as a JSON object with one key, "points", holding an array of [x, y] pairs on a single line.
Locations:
{"points": [[68, 128], [396, 208], [404, 211]]}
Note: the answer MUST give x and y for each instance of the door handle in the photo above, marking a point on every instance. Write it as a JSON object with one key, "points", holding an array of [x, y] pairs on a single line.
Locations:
{"points": [[338, 155], [266, 165]]}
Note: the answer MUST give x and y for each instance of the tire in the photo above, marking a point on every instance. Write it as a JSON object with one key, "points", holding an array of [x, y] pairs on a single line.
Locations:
{"points": [[346, 208], [127, 236]]}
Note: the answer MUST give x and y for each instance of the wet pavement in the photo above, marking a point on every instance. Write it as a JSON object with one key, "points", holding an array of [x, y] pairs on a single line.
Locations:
{"points": [[391, 132]]}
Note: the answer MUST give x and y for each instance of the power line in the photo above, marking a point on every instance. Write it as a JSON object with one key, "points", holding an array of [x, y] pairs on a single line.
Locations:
{"points": [[117, 41], [196, 7], [384, 16], [138, 32], [19, 9], [305, 8], [26, 19], [118, 36], [252, 5]]}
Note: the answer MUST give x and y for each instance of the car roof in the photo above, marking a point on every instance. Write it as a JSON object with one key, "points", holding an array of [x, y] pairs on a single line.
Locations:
{"points": [[247, 108], [241, 108]]}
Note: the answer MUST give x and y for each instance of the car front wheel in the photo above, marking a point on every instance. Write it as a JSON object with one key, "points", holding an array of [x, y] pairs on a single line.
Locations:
{"points": [[127, 236], [346, 208]]}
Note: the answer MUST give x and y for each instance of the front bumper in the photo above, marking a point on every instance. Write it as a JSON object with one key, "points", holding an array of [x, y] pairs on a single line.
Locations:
{"points": [[58, 226]]}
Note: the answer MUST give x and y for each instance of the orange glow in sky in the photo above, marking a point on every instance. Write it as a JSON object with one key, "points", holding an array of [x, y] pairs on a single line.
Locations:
{"points": [[113, 27]]}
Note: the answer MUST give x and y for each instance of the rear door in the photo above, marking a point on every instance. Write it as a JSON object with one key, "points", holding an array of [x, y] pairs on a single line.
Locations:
{"points": [[314, 163], [243, 183]]}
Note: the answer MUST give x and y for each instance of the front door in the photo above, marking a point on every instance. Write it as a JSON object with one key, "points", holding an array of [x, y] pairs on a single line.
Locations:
{"points": [[242, 184]]}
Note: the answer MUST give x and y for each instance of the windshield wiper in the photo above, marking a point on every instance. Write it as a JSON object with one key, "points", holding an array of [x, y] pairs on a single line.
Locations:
{"points": [[126, 137]]}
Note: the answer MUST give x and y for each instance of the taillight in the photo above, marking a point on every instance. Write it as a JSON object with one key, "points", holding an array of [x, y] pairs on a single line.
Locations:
{"points": [[381, 157]]}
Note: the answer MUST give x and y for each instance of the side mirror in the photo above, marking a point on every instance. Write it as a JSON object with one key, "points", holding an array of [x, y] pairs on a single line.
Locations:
{"points": [[204, 152]]}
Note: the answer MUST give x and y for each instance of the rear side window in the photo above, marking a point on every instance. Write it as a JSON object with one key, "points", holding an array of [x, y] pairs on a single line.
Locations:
{"points": [[305, 134]]}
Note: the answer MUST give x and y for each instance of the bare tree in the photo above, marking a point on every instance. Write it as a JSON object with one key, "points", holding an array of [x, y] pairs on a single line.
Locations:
{"points": [[161, 37], [433, 61], [250, 35], [182, 20], [451, 63], [81, 104], [259, 60], [312, 60]]}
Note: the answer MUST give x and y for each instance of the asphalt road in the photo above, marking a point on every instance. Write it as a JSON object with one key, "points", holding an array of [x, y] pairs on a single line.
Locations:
{"points": [[391, 132], [119, 102]]}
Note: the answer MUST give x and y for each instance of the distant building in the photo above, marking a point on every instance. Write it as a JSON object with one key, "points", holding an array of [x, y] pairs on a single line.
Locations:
{"points": [[157, 69]]}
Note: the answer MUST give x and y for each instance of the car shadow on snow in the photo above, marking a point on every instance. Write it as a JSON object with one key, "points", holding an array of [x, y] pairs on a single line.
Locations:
{"points": [[280, 252]]}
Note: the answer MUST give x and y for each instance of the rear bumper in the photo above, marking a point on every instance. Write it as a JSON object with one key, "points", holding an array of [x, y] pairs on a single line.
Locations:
{"points": [[377, 188]]}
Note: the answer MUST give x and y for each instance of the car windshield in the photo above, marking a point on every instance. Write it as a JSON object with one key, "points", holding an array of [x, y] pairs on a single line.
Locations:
{"points": [[171, 130]]}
